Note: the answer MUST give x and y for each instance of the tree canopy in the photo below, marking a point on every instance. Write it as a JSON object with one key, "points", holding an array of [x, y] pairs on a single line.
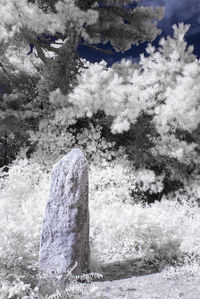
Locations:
{"points": [[57, 27], [49, 32]]}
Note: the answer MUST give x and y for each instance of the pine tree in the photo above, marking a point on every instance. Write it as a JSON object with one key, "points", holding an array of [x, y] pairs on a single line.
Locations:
{"points": [[151, 108], [50, 31], [43, 23]]}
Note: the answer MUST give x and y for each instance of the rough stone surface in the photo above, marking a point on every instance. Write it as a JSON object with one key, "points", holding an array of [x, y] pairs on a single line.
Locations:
{"points": [[65, 231]]}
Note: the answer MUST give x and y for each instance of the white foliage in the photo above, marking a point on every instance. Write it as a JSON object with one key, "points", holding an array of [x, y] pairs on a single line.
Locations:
{"points": [[22, 201], [161, 86], [146, 180], [164, 85], [133, 231], [17, 15]]}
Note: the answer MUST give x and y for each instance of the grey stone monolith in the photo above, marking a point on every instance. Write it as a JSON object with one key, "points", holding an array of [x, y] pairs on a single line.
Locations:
{"points": [[65, 230]]}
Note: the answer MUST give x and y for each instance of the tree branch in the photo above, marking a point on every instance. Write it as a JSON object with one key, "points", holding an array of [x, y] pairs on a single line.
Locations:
{"points": [[98, 49]]}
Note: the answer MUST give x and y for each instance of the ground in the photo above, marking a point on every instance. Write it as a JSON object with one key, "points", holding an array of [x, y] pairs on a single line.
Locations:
{"points": [[169, 284]]}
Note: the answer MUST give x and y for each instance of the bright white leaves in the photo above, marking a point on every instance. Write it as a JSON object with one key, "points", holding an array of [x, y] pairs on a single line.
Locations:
{"points": [[146, 180], [169, 145], [17, 60], [102, 88], [182, 107], [165, 84], [20, 15]]}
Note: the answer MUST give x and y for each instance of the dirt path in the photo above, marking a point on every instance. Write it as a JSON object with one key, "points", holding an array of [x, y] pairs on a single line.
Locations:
{"points": [[164, 285]]}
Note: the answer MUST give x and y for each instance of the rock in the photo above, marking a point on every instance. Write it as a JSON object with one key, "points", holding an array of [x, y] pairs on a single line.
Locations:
{"points": [[65, 231]]}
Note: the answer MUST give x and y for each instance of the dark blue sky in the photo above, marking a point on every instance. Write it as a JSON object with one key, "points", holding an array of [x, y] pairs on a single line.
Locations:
{"points": [[176, 11]]}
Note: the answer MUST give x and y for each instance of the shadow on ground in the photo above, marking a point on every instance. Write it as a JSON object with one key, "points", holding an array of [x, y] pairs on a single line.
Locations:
{"points": [[128, 268]]}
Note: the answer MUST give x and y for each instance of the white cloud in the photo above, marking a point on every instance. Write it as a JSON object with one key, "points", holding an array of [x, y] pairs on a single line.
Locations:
{"points": [[178, 11]]}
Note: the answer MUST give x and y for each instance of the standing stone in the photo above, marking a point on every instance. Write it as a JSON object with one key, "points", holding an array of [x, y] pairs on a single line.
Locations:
{"points": [[65, 231]]}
